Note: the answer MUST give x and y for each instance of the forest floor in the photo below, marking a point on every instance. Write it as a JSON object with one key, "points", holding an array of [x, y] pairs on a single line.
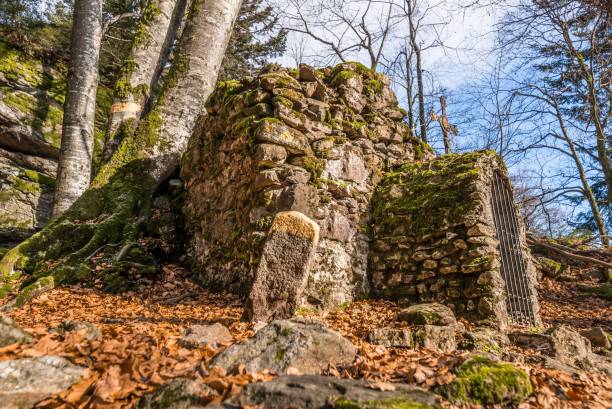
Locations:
{"points": [[138, 350]]}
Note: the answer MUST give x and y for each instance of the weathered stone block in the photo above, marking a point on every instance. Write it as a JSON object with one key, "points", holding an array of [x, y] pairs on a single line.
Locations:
{"points": [[391, 337], [268, 155], [286, 260], [428, 314], [301, 345]]}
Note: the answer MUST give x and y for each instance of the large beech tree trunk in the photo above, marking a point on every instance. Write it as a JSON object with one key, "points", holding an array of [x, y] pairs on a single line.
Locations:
{"points": [[112, 209], [155, 34], [74, 169]]}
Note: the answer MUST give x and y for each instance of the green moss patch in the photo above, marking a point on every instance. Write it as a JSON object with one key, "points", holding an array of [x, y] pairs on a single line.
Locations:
{"points": [[603, 290], [484, 381], [16, 66], [424, 197]]}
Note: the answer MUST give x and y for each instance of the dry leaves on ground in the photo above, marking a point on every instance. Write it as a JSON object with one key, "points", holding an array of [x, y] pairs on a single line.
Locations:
{"points": [[138, 351]]}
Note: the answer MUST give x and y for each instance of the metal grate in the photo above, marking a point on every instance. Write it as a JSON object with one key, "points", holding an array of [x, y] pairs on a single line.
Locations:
{"points": [[513, 260]]}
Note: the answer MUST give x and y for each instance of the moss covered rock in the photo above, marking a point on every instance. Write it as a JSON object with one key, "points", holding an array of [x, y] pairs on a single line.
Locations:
{"points": [[32, 91], [428, 314], [487, 382], [323, 392]]}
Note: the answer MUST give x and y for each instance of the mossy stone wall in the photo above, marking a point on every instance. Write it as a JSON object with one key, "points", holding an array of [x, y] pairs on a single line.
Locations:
{"points": [[315, 141], [435, 238]]}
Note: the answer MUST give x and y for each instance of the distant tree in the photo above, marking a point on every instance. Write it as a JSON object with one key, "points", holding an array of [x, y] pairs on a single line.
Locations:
{"points": [[256, 39], [17, 14]]}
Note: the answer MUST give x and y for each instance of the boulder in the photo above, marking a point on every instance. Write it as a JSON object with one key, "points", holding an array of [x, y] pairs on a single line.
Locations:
{"points": [[436, 338], [598, 337], [197, 336], [322, 392], [305, 346], [179, 393], [549, 267], [11, 333], [484, 381], [89, 330], [23, 382], [433, 337], [485, 340], [391, 337], [561, 343], [285, 262], [427, 314]]}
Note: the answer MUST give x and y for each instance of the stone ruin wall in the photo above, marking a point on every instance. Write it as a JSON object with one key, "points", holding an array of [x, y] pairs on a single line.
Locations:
{"points": [[435, 237], [314, 141]]}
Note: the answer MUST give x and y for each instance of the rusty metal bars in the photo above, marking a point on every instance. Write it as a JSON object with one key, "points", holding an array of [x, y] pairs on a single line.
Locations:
{"points": [[513, 260]]}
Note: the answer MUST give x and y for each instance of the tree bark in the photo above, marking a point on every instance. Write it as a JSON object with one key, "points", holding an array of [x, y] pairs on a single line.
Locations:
{"points": [[419, 70], [113, 208], [155, 34], [74, 168]]}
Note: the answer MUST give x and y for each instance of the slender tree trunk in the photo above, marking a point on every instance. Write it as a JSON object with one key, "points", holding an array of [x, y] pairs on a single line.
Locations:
{"points": [[156, 32], [112, 209], [588, 192], [409, 90], [419, 70], [603, 154], [74, 169], [444, 125]]}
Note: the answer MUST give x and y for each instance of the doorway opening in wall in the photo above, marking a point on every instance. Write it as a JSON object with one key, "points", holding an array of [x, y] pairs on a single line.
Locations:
{"points": [[513, 259]]}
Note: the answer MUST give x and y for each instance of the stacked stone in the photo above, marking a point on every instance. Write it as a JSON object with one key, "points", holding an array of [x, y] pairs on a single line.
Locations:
{"points": [[313, 141], [434, 236]]}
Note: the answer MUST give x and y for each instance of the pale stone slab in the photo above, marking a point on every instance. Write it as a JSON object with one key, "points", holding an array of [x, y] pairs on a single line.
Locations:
{"points": [[285, 262]]}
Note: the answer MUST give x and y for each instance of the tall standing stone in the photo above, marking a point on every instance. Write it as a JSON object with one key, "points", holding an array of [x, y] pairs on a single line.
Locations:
{"points": [[281, 275]]}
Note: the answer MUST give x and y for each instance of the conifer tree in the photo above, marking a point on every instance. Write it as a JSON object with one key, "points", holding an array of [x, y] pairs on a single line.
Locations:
{"points": [[256, 39]]}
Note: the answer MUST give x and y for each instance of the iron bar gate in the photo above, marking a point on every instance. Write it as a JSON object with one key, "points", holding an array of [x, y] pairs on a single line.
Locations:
{"points": [[513, 260]]}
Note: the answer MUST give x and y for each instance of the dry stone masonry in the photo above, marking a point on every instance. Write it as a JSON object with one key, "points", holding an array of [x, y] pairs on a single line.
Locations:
{"points": [[330, 148], [312, 141], [435, 239]]}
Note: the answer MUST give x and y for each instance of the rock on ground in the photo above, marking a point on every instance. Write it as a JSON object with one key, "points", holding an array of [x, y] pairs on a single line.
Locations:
{"points": [[484, 381], [89, 330], [177, 394], [26, 381], [11, 333], [598, 337], [485, 340], [433, 337], [428, 314], [436, 338], [283, 269], [391, 337], [200, 335], [322, 392], [561, 343], [299, 346]]}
